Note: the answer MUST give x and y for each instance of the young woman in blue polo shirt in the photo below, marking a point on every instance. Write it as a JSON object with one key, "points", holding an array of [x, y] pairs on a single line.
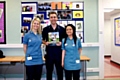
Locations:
{"points": [[71, 50], [32, 48]]}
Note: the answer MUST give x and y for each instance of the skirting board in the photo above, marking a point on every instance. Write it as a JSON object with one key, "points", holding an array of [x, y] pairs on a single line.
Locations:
{"points": [[114, 62], [91, 77], [92, 69], [107, 55]]}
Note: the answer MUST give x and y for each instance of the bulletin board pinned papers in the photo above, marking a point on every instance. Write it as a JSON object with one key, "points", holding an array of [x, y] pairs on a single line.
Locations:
{"points": [[67, 12]]}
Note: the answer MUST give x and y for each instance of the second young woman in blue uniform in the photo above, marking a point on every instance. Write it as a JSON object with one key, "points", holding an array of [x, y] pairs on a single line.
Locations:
{"points": [[71, 50]]}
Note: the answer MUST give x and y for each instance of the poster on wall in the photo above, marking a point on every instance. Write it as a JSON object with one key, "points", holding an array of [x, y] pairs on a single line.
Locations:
{"points": [[117, 31], [67, 12], [2, 23], [29, 8]]}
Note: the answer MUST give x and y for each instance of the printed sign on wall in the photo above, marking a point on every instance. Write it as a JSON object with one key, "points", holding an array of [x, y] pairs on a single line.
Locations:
{"points": [[117, 32]]}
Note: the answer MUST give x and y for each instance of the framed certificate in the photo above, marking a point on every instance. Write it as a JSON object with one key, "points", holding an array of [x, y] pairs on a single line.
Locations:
{"points": [[117, 31], [2, 23]]}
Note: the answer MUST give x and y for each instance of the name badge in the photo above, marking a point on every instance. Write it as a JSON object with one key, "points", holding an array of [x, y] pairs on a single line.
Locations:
{"points": [[77, 61], [73, 44], [65, 44], [29, 58]]}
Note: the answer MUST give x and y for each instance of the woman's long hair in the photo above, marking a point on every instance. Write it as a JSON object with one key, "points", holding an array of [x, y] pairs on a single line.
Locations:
{"points": [[36, 19], [74, 33]]}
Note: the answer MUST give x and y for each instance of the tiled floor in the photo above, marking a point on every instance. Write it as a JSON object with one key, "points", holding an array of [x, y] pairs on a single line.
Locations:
{"points": [[111, 70]]}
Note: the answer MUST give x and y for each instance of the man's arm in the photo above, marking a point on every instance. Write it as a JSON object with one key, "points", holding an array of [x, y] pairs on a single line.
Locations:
{"points": [[44, 37], [45, 42], [62, 36]]}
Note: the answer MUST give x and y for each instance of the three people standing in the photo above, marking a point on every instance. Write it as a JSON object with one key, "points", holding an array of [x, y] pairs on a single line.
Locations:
{"points": [[63, 54]]}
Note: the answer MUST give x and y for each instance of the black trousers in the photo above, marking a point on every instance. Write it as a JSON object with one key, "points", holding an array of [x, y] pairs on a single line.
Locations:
{"points": [[34, 72], [72, 73], [49, 67]]}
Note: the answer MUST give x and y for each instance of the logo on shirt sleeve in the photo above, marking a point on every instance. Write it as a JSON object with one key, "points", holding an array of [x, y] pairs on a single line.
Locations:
{"points": [[29, 40]]}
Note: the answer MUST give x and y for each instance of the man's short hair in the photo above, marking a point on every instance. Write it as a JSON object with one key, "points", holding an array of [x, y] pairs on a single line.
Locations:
{"points": [[52, 12]]}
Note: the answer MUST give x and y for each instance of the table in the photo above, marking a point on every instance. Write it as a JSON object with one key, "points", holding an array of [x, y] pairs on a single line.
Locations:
{"points": [[84, 60], [21, 59], [12, 59]]}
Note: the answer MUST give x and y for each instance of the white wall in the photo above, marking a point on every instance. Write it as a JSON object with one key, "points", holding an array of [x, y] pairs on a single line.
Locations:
{"points": [[107, 37], [111, 4], [114, 4], [115, 50]]}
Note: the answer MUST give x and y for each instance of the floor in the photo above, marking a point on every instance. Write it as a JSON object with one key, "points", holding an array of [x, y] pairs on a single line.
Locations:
{"points": [[112, 70]]}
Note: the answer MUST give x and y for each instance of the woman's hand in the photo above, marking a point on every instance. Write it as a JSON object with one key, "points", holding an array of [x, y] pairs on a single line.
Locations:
{"points": [[58, 43], [47, 43]]}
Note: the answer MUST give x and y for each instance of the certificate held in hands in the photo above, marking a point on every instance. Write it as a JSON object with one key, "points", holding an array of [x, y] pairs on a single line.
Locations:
{"points": [[53, 38]]}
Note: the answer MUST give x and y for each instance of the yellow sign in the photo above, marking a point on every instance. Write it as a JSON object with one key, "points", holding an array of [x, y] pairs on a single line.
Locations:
{"points": [[77, 14]]}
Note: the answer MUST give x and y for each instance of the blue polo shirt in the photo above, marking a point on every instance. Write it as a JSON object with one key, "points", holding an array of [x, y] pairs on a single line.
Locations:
{"points": [[33, 42], [72, 55]]}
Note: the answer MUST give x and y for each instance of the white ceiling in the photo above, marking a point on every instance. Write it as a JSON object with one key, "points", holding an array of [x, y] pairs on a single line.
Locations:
{"points": [[108, 14]]}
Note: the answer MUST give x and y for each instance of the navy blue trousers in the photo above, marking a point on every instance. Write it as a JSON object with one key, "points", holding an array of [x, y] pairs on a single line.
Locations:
{"points": [[72, 73], [53, 58], [34, 72], [49, 67]]}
